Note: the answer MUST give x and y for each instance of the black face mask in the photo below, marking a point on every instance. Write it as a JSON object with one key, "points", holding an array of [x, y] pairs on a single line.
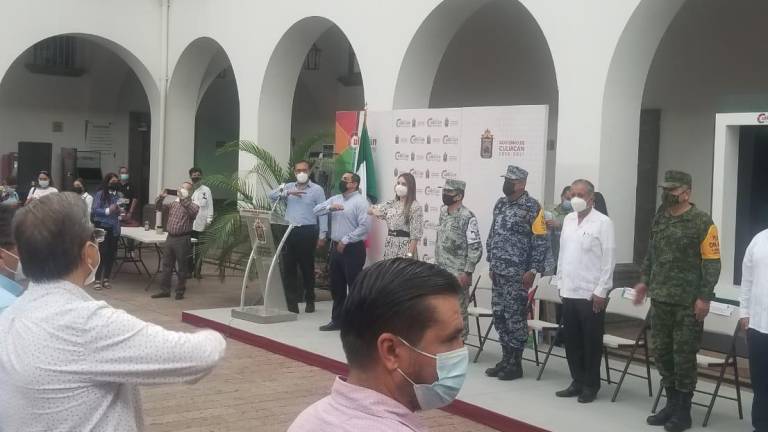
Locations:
{"points": [[114, 186], [449, 199], [508, 188], [669, 199], [343, 186], [196, 179], [78, 190]]}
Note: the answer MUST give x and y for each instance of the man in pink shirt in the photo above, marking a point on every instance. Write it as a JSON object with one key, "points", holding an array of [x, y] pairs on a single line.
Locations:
{"points": [[401, 330]]}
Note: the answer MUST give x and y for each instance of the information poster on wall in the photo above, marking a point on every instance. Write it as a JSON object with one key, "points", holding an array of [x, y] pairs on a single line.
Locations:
{"points": [[472, 144]]}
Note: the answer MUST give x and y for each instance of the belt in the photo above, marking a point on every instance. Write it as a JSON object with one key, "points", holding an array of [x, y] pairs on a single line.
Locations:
{"points": [[398, 233], [184, 234]]}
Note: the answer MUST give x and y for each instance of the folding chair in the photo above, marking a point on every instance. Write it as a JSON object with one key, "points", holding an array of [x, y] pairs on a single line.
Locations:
{"points": [[621, 303], [479, 312], [547, 292], [721, 328]]}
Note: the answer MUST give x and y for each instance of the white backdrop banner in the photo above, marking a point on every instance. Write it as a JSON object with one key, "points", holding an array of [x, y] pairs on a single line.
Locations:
{"points": [[472, 144]]}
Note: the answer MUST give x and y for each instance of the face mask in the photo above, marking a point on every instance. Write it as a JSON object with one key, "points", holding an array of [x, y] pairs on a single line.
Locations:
{"points": [[43, 183], [448, 199], [92, 275], [451, 371], [342, 186], [114, 186], [669, 199], [401, 190], [19, 272], [302, 177], [578, 204], [183, 193], [567, 205], [196, 179], [508, 188], [124, 177], [78, 190]]}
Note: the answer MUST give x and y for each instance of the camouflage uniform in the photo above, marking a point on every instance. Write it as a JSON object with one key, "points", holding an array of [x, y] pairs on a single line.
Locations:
{"points": [[681, 266], [517, 243], [459, 247], [558, 213]]}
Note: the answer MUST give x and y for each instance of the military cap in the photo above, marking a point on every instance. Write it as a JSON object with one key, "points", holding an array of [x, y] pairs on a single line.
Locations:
{"points": [[516, 173], [452, 184], [675, 179]]}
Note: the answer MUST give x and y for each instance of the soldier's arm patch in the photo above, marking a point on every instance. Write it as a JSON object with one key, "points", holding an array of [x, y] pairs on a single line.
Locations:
{"points": [[710, 247], [473, 231], [539, 227]]}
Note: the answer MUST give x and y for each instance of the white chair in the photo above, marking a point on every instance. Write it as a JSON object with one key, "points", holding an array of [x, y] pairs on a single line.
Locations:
{"points": [[477, 312], [720, 330], [620, 302], [547, 292]]}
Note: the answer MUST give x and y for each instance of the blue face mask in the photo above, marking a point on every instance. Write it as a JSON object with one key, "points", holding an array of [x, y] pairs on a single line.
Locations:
{"points": [[451, 371], [567, 205]]}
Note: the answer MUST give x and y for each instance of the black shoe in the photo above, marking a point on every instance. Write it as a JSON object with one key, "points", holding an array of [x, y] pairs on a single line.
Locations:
{"points": [[514, 368], [666, 413], [293, 308], [331, 326], [587, 395], [161, 295], [309, 308], [179, 295], [493, 372], [573, 390], [681, 419]]}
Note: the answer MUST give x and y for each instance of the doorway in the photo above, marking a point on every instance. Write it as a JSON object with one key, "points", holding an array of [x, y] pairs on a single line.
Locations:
{"points": [[139, 152], [752, 191]]}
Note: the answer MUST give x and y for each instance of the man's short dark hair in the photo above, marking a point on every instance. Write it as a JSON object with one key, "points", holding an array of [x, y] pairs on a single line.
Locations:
{"points": [[355, 178], [302, 161], [195, 170], [391, 296], [50, 233], [565, 190], [6, 228]]}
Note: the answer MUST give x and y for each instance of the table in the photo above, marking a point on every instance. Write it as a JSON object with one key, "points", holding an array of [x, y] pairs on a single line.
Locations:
{"points": [[144, 237]]}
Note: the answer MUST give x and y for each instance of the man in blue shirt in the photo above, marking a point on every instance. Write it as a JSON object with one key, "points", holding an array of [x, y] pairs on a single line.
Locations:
{"points": [[350, 225], [10, 266], [301, 197]]}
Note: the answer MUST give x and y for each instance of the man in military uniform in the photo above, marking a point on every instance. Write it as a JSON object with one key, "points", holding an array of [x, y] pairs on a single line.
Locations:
{"points": [[680, 271], [517, 249], [459, 247]]}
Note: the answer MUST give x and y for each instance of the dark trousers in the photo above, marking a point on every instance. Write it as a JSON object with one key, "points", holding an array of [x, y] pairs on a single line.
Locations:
{"points": [[583, 341], [758, 372], [108, 251], [176, 251], [299, 251], [195, 267], [344, 270]]}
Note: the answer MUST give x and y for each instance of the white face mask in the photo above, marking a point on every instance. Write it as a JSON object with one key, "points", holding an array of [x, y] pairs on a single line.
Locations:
{"points": [[578, 204], [451, 372], [18, 274], [302, 177], [92, 275], [401, 190], [43, 183]]}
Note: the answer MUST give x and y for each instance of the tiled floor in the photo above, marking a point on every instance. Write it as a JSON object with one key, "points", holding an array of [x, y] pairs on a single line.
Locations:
{"points": [[251, 390]]}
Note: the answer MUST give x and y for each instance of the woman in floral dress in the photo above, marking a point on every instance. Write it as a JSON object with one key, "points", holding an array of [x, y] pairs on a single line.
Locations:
{"points": [[404, 217]]}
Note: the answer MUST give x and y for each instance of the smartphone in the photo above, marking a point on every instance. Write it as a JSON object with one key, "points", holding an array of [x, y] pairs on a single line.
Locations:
{"points": [[173, 192]]}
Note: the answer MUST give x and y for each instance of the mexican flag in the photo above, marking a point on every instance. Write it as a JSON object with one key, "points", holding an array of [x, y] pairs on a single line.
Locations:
{"points": [[364, 166]]}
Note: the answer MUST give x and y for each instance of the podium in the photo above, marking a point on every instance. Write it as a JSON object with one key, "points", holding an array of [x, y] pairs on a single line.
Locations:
{"points": [[264, 256]]}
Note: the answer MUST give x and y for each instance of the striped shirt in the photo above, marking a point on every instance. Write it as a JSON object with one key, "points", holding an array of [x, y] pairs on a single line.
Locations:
{"points": [[181, 215]]}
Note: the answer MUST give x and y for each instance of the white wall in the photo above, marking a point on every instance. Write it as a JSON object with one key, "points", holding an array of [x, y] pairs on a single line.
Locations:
{"points": [[710, 60], [29, 103]]}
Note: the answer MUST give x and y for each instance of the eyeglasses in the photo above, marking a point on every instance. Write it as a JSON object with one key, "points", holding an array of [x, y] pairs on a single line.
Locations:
{"points": [[98, 235]]}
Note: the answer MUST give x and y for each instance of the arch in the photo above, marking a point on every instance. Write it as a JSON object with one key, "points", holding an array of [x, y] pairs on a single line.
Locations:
{"points": [[198, 65], [280, 80], [99, 96]]}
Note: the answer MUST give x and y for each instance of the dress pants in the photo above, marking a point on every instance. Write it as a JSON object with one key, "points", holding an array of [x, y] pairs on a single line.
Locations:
{"points": [[583, 341], [176, 251], [758, 372], [299, 251], [344, 270]]}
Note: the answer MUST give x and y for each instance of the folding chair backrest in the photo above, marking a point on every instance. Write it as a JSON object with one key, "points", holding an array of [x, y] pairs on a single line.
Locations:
{"points": [[546, 291], [722, 319], [621, 303], [473, 294]]}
